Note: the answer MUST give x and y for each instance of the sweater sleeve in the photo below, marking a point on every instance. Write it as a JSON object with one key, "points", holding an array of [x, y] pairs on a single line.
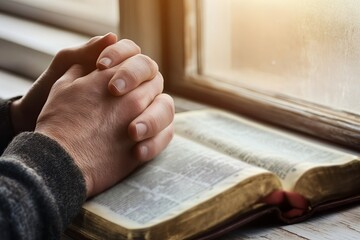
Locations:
{"points": [[41, 189], [6, 129]]}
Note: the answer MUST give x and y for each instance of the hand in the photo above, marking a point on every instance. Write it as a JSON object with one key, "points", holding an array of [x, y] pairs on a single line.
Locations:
{"points": [[94, 127], [25, 111]]}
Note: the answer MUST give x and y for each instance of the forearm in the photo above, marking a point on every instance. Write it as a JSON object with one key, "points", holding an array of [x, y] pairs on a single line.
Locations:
{"points": [[41, 188]]}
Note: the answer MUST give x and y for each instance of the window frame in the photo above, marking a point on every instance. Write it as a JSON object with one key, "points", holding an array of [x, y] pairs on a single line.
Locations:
{"points": [[173, 43]]}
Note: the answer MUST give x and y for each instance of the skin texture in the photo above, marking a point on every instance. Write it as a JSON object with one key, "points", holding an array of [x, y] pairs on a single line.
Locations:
{"points": [[108, 132], [25, 111]]}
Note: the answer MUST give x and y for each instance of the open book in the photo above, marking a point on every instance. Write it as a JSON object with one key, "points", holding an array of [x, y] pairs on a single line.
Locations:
{"points": [[220, 168]]}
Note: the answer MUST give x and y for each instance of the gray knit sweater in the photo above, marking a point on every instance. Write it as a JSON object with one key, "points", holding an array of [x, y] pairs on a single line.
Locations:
{"points": [[41, 189]]}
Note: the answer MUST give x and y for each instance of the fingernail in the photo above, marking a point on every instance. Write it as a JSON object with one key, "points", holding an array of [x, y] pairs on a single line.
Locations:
{"points": [[119, 84], [110, 33], [144, 152], [107, 34], [105, 62], [141, 130]]}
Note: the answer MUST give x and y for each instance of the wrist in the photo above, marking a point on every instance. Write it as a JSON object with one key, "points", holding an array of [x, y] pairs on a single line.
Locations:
{"points": [[71, 151]]}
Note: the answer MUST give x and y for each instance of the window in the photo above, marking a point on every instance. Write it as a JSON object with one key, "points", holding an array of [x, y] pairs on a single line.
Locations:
{"points": [[298, 49], [293, 63], [91, 17]]}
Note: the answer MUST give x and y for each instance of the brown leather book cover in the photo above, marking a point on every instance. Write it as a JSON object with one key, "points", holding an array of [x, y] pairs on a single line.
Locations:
{"points": [[273, 211]]}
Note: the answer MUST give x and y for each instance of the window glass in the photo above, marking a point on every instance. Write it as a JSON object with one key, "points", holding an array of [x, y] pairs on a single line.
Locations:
{"points": [[305, 49]]}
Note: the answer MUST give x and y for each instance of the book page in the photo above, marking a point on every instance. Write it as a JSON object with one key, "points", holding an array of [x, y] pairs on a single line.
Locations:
{"points": [[184, 175], [285, 155]]}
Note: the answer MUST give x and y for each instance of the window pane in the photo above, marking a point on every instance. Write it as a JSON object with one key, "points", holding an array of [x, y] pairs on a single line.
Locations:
{"points": [[305, 49]]}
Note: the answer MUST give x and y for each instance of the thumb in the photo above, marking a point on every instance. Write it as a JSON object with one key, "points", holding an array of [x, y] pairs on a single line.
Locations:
{"points": [[85, 54], [102, 41], [89, 53], [34, 100]]}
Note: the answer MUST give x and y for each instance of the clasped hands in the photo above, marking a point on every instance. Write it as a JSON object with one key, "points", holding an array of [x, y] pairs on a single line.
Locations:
{"points": [[103, 103]]}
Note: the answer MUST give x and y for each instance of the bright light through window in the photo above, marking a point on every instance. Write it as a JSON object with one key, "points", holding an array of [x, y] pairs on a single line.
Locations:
{"points": [[305, 49]]}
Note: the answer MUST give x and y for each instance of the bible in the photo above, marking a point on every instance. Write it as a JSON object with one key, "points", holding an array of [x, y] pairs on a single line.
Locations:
{"points": [[221, 171]]}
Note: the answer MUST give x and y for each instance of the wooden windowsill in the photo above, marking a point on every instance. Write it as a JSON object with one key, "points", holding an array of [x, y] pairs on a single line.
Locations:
{"points": [[27, 47]]}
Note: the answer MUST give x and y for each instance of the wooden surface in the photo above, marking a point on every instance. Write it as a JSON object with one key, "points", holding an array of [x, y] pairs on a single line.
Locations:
{"points": [[341, 224]]}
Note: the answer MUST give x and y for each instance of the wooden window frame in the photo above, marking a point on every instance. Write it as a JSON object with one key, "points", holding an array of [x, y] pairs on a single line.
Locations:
{"points": [[170, 38], [166, 31]]}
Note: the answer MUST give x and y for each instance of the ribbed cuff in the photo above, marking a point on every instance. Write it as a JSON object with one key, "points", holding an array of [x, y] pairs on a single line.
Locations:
{"points": [[6, 127], [55, 167]]}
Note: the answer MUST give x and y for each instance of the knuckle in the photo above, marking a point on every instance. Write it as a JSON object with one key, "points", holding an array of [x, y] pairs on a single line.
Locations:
{"points": [[58, 84], [128, 74], [170, 132], [131, 45], [61, 86], [64, 53], [158, 121], [160, 81], [158, 144], [150, 64], [136, 102], [160, 76], [166, 97], [154, 150], [168, 103], [122, 50], [112, 51], [153, 124]]}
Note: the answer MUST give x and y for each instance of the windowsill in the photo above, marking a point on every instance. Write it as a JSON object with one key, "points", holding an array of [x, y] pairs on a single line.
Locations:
{"points": [[27, 47], [90, 17]]}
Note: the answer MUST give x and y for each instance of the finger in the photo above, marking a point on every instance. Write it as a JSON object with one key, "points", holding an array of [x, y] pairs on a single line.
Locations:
{"points": [[94, 39], [116, 53], [150, 148], [158, 116], [131, 73], [91, 51], [140, 98], [109, 38]]}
